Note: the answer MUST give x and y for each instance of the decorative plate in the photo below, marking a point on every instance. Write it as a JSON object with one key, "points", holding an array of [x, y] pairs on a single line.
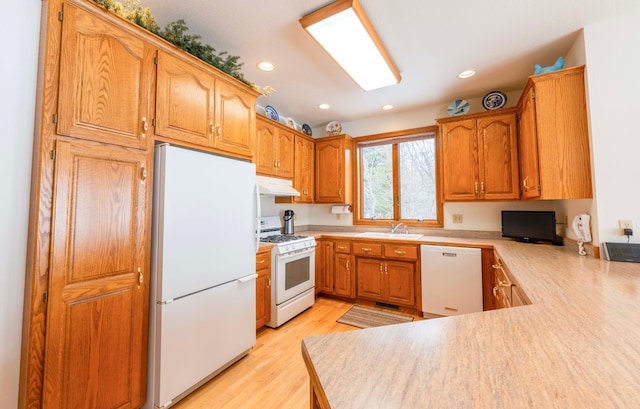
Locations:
{"points": [[334, 128], [271, 113], [458, 107], [306, 129], [494, 100]]}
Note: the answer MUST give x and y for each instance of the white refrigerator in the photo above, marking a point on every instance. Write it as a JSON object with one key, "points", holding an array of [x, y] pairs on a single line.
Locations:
{"points": [[202, 312]]}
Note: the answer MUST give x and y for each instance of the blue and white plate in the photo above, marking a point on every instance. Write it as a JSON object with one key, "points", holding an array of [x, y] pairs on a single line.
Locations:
{"points": [[458, 107], [494, 100], [306, 129], [271, 113]]}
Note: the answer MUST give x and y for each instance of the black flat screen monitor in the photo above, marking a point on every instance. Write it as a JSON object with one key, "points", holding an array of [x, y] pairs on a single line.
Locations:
{"points": [[530, 226]]}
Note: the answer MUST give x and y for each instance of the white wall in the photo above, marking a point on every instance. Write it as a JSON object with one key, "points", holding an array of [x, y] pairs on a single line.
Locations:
{"points": [[20, 30], [612, 76]]}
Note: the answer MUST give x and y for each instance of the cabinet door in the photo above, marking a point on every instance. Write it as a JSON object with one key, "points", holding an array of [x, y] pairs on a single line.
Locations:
{"points": [[105, 81], [304, 170], [325, 256], [400, 283], [265, 158], [330, 171], [528, 144], [285, 151], [460, 160], [97, 312], [344, 277], [263, 297], [371, 279], [235, 127], [498, 157], [185, 100]]}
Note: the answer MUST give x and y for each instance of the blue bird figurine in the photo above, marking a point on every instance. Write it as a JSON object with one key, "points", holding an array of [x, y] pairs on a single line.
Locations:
{"points": [[555, 67]]}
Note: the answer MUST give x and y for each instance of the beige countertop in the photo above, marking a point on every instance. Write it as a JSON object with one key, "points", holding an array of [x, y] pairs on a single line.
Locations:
{"points": [[576, 346]]}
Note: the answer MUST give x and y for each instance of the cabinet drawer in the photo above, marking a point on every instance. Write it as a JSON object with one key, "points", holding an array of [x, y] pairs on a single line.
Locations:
{"points": [[367, 249], [263, 260], [343, 247], [399, 251]]}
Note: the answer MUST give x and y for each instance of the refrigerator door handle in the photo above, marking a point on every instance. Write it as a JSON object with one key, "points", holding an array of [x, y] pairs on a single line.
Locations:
{"points": [[247, 278], [258, 215]]}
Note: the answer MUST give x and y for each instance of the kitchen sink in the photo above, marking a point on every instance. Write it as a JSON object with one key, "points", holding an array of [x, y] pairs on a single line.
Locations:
{"points": [[397, 236]]}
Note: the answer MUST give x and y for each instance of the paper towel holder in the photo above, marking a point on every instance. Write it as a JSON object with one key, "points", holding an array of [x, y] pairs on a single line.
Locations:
{"points": [[341, 209]]}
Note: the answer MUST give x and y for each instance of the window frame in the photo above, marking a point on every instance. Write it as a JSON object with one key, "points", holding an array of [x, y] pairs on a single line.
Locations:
{"points": [[390, 138]]}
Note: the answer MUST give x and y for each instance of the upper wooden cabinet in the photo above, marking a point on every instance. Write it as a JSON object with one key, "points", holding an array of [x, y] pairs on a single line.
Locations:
{"points": [[185, 99], [194, 106], [275, 149], [480, 156], [304, 174], [105, 81], [554, 137], [334, 161], [97, 309]]}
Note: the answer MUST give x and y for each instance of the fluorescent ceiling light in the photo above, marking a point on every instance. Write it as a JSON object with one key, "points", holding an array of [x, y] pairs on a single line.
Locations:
{"points": [[266, 66], [344, 31]]}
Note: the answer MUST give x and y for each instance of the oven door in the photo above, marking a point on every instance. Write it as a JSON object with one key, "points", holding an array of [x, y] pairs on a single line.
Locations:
{"points": [[294, 274]]}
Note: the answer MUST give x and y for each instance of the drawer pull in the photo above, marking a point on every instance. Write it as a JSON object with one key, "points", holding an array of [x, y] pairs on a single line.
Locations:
{"points": [[366, 249], [400, 252], [342, 247], [262, 261]]}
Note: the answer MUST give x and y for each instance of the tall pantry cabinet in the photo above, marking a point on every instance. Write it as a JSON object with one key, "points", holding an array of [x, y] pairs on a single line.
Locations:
{"points": [[87, 280]]}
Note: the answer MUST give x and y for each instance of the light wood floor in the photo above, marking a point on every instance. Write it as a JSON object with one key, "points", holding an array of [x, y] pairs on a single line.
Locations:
{"points": [[273, 375]]}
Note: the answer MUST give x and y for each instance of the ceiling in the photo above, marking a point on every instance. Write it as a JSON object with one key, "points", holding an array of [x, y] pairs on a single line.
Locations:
{"points": [[430, 42]]}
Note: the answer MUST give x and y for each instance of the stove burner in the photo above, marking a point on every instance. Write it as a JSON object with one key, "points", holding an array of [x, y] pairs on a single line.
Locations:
{"points": [[281, 238]]}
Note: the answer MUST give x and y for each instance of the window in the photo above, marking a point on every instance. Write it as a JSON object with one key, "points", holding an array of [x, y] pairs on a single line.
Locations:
{"points": [[398, 179]]}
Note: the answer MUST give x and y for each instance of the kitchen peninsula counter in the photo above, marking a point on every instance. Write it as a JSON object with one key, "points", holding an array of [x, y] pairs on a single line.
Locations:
{"points": [[576, 346]]}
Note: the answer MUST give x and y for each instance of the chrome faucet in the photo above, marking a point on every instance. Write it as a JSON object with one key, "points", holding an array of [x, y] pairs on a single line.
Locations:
{"points": [[395, 228]]}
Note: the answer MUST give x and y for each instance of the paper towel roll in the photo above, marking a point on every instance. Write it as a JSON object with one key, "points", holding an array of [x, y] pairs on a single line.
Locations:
{"points": [[346, 209]]}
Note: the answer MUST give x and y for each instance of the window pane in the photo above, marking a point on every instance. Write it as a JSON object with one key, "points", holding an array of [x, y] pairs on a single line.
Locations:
{"points": [[418, 179], [377, 182]]}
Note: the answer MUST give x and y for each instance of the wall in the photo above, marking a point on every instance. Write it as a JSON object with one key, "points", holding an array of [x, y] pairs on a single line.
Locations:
{"points": [[20, 29], [612, 76]]}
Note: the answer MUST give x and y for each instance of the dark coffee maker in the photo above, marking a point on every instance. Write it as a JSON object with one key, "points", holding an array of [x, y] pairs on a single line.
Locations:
{"points": [[288, 221]]}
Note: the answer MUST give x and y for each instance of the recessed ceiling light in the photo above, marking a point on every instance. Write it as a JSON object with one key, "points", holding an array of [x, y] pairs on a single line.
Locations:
{"points": [[467, 74], [266, 66], [388, 107], [324, 106]]}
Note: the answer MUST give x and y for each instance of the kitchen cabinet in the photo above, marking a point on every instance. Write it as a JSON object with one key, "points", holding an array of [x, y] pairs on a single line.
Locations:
{"points": [[105, 81], [194, 106], [480, 156], [263, 287], [334, 173], [324, 266], [555, 161], [97, 307], [275, 149], [304, 169], [386, 272], [506, 292]]}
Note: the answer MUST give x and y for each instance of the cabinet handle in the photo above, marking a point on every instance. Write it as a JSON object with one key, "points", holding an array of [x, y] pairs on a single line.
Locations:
{"points": [[268, 282], [143, 173], [495, 291], [386, 271], [342, 247], [145, 127], [482, 187], [218, 130], [212, 129], [503, 284], [497, 266], [524, 184], [366, 249], [347, 264], [340, 192], [400, 252], [140, 277], [306, 192], [262, 261], [380, 268]]}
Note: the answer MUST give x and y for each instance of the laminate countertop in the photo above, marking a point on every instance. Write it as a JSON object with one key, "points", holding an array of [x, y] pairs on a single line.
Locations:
{"points": [[576, 346]]}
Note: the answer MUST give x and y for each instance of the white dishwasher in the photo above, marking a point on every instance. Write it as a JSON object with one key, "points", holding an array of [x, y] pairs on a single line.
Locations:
{"points": [[451, 280]]}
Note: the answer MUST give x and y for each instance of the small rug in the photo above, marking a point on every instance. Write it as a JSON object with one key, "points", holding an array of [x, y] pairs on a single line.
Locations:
{"points": [[363, 317]]}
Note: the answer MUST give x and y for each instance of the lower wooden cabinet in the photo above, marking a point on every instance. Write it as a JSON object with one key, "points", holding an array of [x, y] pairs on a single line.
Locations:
{"points": [[344, 276], [263, 287], [335, 268], [388, 281], [506, 292]]}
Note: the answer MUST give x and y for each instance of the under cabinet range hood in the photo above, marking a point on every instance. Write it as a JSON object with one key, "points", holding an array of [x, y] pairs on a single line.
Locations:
{"points": [[275, 187]]}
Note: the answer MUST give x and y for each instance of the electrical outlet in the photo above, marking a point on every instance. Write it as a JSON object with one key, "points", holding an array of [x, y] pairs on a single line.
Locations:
{"points": [[624, 224], [456, 218]]}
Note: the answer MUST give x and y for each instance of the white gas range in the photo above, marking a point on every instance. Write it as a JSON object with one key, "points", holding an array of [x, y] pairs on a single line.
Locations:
{"points": [[292, 271]]}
